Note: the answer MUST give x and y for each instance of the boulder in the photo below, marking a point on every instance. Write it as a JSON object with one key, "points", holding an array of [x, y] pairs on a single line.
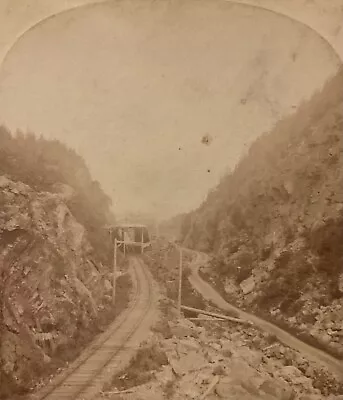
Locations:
{"points": [[191, 362], [229, 286], [247, 285], [252, 357], [165, 375], [226, 347], [108, 285], [325, 338], [204, 376], [226, 388], [216, 346], [277, 389], [182, 329], [289, 372], [188, 387], [187, 344], [230, 388]]}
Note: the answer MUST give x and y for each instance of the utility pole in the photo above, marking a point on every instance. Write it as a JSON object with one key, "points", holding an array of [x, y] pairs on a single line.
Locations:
{"points": [[142, 241], [114, 271], [180, 281]]}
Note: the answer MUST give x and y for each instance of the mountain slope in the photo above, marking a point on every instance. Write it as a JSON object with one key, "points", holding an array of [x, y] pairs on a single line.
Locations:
{"points": [[55, 260], [275, 225]]}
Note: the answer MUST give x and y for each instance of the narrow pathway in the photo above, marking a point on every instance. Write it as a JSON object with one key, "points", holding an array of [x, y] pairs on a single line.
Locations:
{"points": [[312, 353]]}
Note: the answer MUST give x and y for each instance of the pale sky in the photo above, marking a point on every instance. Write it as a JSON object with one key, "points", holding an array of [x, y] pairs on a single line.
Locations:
{"points": [[134, 87]]}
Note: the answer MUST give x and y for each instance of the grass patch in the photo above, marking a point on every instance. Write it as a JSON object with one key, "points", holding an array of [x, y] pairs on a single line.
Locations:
{"points": [[162, 327]]}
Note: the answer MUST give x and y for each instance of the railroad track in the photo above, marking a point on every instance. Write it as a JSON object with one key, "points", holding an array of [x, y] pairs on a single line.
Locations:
{"points": [[85, 378]]}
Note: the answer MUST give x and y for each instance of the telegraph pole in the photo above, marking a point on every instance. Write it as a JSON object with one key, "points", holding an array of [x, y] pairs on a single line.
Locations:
{"points": [[180, 281], [114, 271], [142, 238]]}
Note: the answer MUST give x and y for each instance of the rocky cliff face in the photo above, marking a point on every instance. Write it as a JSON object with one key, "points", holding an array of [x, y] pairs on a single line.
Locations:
{"points": [[275, 225], [54, 291]]}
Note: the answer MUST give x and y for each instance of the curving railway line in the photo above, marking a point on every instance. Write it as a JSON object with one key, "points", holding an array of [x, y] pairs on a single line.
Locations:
{"points": [[85, 378]]}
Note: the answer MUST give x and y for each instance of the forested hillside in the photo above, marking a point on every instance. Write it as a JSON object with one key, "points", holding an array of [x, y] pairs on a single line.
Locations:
{"points": [[49, 165], [275, 225]]}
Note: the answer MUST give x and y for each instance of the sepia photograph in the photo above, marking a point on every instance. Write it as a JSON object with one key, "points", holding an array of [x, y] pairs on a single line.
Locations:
{"points": [[171, 200]]}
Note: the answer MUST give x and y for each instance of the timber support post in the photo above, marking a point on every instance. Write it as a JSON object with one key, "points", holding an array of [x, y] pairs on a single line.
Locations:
{"points": [[180, 282], [114, 271], [142, 239]]}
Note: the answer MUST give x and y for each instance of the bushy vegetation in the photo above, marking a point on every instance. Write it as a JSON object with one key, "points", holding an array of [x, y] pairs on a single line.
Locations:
{"points": [[141, 368], [43, 164]]}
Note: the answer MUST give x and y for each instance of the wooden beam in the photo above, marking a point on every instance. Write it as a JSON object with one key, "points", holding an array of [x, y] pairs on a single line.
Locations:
{"points": [[131, 243], [206, 319], [131, 390], [196, 310]]}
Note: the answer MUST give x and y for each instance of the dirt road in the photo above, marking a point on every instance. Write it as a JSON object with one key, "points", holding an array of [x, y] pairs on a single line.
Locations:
{"points": [[112, 350], [312, 353]]}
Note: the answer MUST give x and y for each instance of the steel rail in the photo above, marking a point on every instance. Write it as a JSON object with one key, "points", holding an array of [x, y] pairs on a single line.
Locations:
{"points": [[81, 379]]}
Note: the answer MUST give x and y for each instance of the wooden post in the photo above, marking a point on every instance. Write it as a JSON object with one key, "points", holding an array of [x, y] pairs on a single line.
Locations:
{"points": [[142, 241], [114, 271], [180, 281]]}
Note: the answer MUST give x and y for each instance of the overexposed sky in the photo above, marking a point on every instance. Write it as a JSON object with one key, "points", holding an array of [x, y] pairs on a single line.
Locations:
{"points": [[134, 86]]}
